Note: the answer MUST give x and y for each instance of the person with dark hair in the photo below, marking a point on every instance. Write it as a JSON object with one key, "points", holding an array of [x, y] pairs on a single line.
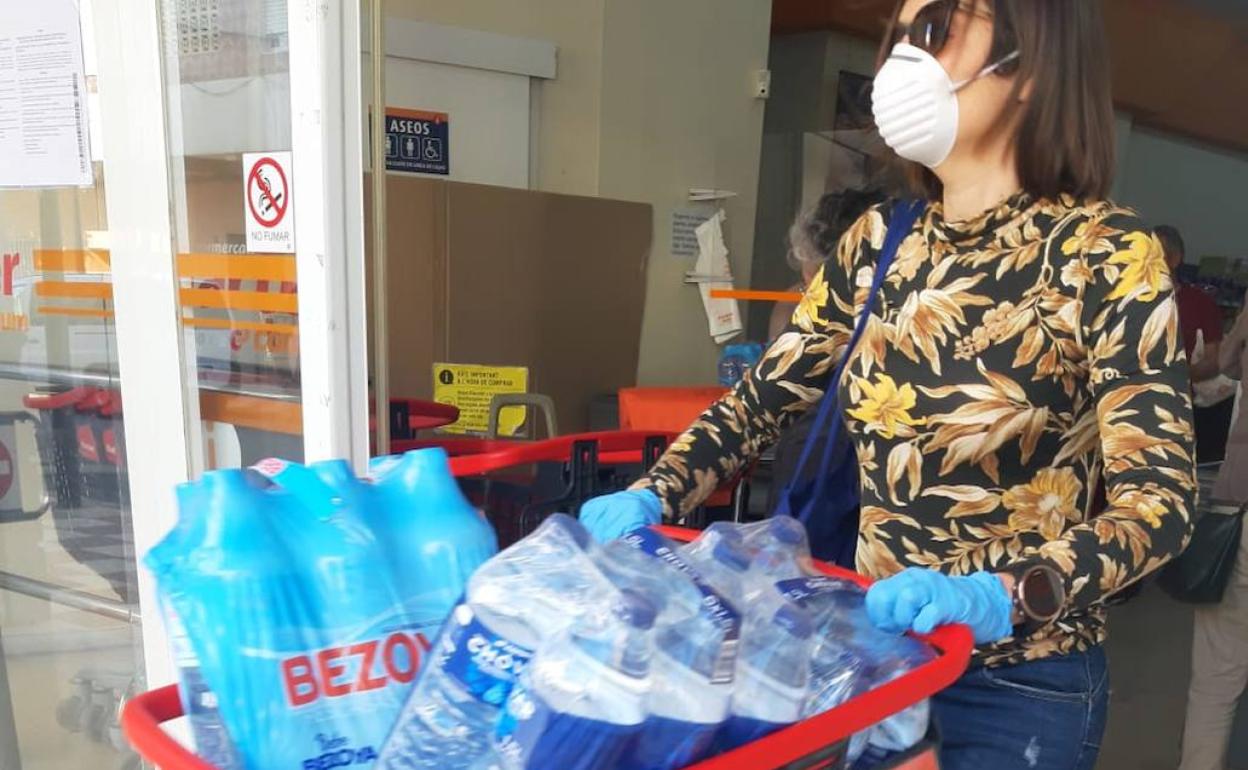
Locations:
{"points": [[1200, 322], [1198, 313], [812, 241], [813, 238], [1023, 345]]}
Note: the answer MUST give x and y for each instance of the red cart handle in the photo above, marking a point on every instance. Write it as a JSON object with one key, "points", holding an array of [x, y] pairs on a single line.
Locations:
{"points": [[48, 401], [610, 444], [140, 723], [93, 402], [111, 405]]}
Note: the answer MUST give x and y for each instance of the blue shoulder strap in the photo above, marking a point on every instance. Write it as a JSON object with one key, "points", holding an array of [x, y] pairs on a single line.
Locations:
{"points": [[828, 421]]}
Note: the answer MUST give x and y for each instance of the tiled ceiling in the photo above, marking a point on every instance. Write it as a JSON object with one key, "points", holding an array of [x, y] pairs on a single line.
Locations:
{"points": [[1179, 65]]}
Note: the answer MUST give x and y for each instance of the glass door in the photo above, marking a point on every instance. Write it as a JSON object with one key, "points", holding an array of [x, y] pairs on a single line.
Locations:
{"points": [[70, 642], [180, 289], [265, 190]]}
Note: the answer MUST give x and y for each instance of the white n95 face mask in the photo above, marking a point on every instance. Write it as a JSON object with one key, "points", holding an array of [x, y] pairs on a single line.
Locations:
{"points": [[915, 104]]}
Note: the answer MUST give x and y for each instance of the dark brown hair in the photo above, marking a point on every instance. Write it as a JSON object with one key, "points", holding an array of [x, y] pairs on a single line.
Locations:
{"points": [[1171, 241], [1066, 132]]}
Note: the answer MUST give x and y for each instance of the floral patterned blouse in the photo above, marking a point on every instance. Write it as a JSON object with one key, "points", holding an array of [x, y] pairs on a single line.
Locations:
{"points": [[1011, 362]]}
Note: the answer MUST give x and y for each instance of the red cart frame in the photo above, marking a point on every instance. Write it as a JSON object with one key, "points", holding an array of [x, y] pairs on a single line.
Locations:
{"points": [[812, 743]]}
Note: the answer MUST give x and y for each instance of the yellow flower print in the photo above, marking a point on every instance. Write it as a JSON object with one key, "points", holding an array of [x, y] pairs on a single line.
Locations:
{"points": [[1148, 507], [1091, 237], [1045, 503], [885, 407], [1144, 270], [813, 300]]}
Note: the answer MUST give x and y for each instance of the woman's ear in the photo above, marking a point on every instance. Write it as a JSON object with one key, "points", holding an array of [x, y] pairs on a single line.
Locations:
{"points": [[1024, 93]]}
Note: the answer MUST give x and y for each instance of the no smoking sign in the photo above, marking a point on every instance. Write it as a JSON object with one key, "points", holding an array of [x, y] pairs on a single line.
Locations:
{"points": [[268, 207]]}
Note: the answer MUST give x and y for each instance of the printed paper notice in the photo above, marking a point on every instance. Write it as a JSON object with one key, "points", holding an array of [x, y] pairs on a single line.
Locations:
{"points": [[44, 139], [685, 223], [471, 388]]}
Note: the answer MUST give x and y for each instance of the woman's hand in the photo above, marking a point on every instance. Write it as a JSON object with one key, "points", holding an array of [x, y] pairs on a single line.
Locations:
{"points": [[611, 516], [921, 599]]}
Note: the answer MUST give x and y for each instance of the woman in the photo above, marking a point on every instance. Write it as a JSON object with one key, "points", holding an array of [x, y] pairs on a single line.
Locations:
{"points": [[1025, 342]]}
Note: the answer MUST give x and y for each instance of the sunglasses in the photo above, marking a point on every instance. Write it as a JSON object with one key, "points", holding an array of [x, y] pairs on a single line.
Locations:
{"points": [[930, 28]]}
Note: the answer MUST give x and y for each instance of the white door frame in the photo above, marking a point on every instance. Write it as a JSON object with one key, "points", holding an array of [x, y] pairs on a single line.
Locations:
{"points": [[145, 290], [328, 152], [161, 411]]}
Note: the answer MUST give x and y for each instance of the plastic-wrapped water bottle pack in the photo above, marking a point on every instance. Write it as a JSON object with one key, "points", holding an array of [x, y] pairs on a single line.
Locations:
{"points": [[302, 606], [323, 621], [646, 655]]}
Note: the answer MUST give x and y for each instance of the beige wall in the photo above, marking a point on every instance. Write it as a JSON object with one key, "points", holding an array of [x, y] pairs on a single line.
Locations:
{"points": [[678, 112], [652, 97], [565, 146]]}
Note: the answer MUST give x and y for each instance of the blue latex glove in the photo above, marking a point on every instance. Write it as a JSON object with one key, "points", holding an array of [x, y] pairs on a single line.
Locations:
{"points": [[922, 599], [611, 516]]}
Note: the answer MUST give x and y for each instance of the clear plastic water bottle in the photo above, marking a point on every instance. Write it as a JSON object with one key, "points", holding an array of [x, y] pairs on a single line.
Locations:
{"points": [[199, 703], [778, 548], [672, 592], [887, 657], [705, 543], [718, 612], [837, 670], [773, 674], [687, 702], [438, 538], [851, 656], [528, 593], [581, 703], [724, 566]]}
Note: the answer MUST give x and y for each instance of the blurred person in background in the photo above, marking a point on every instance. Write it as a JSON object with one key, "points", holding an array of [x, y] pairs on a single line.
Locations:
{"points": [[1220, 635], [812, 241], [1200, 322]]}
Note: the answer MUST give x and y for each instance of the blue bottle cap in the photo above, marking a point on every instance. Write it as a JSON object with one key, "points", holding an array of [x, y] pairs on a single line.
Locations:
{"points": [[795, 620], [731, 553], [787, 530]]}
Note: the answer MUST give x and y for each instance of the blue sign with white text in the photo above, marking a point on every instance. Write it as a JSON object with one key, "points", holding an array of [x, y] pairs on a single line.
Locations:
{"points": [[418, 141]]}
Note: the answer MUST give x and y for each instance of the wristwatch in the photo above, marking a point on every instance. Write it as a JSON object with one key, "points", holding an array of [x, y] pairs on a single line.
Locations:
{"points": [[1039, 596]]}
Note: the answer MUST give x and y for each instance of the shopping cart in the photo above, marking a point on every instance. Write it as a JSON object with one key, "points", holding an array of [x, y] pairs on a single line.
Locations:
{"points": [[590, 464], [519, 483], [818, 743], [57, 439], [101, 458]]}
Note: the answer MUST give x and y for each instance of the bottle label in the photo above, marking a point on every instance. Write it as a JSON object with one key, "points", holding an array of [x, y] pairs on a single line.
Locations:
{"points": [[348, 669], [485, 664], [715, 606], [801, 590], [532, 734]]}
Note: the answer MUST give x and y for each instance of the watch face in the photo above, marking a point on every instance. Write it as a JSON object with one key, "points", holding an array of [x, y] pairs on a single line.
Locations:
{"points": [[1042, 595]]}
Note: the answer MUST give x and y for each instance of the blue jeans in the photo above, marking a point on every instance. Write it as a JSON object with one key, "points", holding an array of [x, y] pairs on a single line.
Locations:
{"points": [[1042, 715]]}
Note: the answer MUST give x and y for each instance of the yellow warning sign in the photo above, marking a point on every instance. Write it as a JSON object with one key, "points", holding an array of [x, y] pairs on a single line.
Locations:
{"points": [[471, 388]]}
